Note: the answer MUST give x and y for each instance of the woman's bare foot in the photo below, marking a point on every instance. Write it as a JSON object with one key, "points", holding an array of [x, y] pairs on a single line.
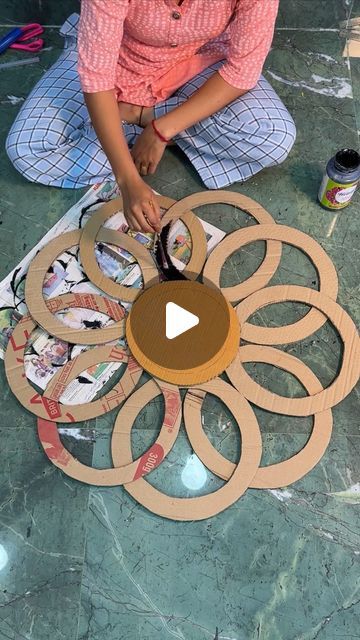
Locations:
{"points": [[134, 114], [129, 112], [147, 115]]}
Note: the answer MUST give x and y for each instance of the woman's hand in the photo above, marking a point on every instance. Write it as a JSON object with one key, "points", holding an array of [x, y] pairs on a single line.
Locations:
{"points": [[141, 209], [147, 151]]}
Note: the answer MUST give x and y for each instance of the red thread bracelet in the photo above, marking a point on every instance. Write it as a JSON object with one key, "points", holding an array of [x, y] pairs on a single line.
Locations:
{"points": [[159, 135]]}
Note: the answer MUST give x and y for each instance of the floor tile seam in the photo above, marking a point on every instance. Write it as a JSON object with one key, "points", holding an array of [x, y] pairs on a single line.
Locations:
{"points": [[86, 525], [309, 29]]}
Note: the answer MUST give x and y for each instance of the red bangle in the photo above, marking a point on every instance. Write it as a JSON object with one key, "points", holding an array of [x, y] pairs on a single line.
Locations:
{"points": [[159, 135]]}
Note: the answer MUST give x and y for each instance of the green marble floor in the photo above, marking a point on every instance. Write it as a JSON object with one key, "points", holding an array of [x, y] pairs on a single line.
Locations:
{"points": [[90, 564]]}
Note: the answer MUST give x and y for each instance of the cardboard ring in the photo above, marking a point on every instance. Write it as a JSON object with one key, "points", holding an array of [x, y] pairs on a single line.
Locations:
{"points": [[270, 232], [328, 280], [209, 505], [338, 389], [90, 235], [47, 406], [64, 460], [273, 249], [42, 311], [275, 475], [181, 210]]}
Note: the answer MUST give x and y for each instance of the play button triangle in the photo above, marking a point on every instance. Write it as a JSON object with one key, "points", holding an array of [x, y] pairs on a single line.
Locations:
{"points": [[178, 320]]}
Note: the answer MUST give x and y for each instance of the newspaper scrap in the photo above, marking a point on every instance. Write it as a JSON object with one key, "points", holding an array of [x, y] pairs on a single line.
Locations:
{"points": [[45, 354]]}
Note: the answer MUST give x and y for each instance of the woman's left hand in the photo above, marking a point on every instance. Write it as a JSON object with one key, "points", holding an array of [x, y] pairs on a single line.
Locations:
{"points": [[147, 151]]}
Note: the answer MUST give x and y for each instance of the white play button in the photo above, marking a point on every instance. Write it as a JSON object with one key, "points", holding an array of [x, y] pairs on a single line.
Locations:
{"points": [[178, 320]]}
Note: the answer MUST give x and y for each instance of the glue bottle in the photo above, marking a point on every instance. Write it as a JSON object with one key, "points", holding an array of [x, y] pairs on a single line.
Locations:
{"points": [[341, 180]]}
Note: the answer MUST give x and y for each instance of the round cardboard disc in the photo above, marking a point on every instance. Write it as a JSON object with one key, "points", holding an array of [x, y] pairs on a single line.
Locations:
{"points": [[209, 505], [328, 279], [41, 310], [196, 355], [276, 475], [254, 209], [62, 458], [47, 406], [350, 367]]}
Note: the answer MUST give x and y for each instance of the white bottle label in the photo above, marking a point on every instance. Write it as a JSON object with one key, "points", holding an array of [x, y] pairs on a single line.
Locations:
{"points": [[345, 194]]}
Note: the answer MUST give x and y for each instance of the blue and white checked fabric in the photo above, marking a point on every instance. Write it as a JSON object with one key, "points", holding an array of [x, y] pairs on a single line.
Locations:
{"points": [[52, 140]]}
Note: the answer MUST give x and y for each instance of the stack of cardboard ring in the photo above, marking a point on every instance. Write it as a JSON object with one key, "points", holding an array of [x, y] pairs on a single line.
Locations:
{"points": [[241, 390]]}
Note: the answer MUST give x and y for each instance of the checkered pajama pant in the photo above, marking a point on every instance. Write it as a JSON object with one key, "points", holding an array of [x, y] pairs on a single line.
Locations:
{"points": [[52, 140]]}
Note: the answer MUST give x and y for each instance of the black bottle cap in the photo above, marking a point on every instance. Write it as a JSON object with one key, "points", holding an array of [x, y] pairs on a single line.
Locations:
{"points": [[347, 160]]}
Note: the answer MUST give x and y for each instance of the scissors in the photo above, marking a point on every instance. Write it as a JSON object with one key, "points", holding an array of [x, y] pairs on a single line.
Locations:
{"points": [[23, 38]]}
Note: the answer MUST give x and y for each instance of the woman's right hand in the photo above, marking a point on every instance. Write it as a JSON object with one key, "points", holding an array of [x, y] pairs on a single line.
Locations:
{"points": [[141, 209]]}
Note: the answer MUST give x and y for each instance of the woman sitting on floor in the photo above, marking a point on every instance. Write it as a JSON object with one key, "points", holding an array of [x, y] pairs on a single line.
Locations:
{"points": [[147, 72]]}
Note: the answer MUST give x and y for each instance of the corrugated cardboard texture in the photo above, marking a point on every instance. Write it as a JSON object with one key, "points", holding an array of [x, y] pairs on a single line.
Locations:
{"points": [[42, 311], [216, 260], [47, 405], [62, 458], [209, 505], [202, 298], [91, 234], [254, 209], [352, 33], [350, 367], [246, 473], [275, 475], [328, 279]]}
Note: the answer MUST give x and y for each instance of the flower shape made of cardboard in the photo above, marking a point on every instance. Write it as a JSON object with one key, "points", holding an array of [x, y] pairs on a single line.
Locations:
{"points": [[238, 393]]}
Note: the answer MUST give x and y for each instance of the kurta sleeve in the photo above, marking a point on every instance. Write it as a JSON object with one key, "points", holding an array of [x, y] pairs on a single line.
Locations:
{"points": [[100, 36], [251, 33]]}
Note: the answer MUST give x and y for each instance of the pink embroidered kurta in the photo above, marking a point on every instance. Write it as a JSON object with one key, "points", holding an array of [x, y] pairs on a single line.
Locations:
{"points": [[146, 49]]}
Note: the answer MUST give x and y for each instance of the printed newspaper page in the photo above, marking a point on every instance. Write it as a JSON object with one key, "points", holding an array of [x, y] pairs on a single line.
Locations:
{"points": [[44, 353]]}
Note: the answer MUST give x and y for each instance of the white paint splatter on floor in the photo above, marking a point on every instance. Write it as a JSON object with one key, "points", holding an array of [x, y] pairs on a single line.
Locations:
{"points": [[281, 494], [13, 100], [77, 434], [336, 87]]}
